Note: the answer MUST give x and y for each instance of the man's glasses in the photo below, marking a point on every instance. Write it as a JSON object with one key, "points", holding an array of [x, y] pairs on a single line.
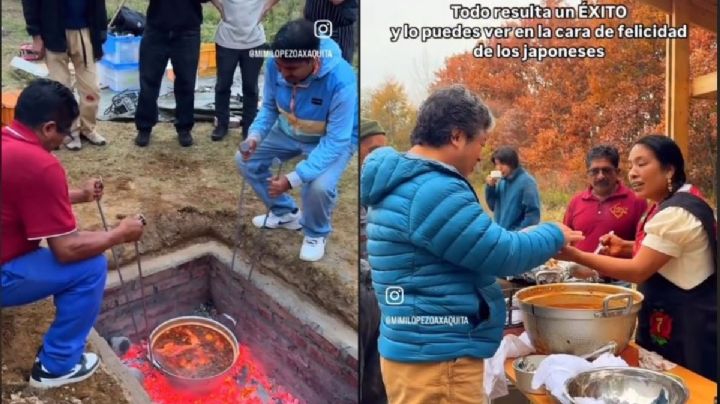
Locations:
{"points": [[67, 131], [597, 170]]}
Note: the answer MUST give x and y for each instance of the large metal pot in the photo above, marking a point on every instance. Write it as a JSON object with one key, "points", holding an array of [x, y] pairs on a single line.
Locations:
{"points": [[199, 384], [626, 385], [578, 318]]}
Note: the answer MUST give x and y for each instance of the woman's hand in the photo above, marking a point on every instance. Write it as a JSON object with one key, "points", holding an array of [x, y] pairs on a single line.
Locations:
{"points": [[612, 245], [570, 236], [568, 253]]}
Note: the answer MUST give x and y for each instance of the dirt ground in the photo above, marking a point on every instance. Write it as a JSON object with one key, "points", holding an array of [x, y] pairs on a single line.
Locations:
{"points": [[187, 195], [193, 193], [22, 331]]}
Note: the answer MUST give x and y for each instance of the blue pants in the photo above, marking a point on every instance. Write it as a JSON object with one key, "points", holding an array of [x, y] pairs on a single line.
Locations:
{"points": [[77, 289], [318, 197]]}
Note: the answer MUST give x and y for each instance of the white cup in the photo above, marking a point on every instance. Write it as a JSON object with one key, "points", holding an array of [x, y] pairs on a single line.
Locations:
{"points": [[495, 174]]}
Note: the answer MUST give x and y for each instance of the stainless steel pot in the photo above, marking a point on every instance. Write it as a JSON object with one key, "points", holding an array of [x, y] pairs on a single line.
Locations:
{"points": [[578, 318], [626, 385], [195, 384]]}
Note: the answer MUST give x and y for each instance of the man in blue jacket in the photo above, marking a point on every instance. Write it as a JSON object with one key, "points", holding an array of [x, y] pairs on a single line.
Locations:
{"points": [[435, 255], [309, 107], [514, 199]]}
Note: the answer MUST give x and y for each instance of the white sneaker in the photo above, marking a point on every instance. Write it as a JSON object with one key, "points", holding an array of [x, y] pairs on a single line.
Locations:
{"points": [[313, 248], [42, 379], [74, 143], [94, 138], [287, 221]]}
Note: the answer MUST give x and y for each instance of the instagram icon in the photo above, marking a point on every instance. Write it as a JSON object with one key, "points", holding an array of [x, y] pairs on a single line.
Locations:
{"points": [[323, 28], [394, 295]]}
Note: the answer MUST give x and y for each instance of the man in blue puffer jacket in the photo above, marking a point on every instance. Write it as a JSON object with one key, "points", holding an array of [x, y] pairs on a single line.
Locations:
{"points": [[514, 199], [309, 107], [435, 255]]}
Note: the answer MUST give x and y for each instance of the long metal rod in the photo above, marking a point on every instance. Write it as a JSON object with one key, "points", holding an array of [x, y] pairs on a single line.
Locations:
{"points": [[244, 148], [117, 268], [239, 224], [279, 164], [140, 278]]}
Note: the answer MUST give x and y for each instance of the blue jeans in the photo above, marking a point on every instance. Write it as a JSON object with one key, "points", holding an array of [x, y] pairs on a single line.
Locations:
{"points": [[77, 289], [318, 196]]}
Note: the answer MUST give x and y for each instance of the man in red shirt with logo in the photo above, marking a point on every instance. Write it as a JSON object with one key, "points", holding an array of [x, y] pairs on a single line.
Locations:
{"points": [[36, 205], [606, 205]]}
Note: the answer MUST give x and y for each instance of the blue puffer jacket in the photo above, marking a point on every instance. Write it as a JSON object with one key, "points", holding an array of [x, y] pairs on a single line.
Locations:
{"points": [[515, 200], [428, 234], [321, 110]]}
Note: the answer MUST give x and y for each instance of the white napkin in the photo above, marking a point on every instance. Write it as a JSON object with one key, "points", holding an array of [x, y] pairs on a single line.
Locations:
{"points": [[556, 369], [587, 400], [511, 346], [653, 361]]}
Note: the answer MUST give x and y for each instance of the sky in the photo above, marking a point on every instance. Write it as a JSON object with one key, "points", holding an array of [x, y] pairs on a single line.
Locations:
{"points": [[410, 61]]}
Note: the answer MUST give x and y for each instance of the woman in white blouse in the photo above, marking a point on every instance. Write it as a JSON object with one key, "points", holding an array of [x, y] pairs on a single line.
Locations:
{"points": [[672, 259]]}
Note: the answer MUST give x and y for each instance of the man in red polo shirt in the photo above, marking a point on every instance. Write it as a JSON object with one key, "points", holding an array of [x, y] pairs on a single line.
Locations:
{"points": [[36, 205], [606, 205]]}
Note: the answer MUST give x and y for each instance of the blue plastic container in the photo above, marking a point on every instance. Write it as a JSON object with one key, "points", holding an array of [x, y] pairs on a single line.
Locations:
{"points": [[122, 49], [119, 77]]}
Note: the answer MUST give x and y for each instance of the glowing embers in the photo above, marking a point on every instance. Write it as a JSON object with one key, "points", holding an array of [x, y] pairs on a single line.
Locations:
{"points": [[245, 383]]}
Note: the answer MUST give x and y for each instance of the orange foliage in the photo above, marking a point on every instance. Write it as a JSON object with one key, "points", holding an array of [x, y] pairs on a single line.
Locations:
{"points": [[556, 109]]}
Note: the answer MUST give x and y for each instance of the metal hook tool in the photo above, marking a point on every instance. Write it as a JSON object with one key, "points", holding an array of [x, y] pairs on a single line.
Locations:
{"points": [[115, 261], [244, 148], [140, 274], [276, 166]]}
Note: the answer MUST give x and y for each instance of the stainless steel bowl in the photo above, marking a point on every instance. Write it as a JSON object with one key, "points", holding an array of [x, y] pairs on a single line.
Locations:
{"points": [[627, 386], [199, 384], [525, 368], [559, 318]]}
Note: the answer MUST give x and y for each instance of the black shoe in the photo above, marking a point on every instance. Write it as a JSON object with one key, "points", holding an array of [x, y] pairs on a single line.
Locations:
{"points": [[143, 138], [185, 139], [219, 133], [42, 379]]}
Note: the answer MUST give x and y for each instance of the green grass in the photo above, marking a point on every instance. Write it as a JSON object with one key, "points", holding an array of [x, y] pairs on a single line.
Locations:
{"points": [[14, 34]]}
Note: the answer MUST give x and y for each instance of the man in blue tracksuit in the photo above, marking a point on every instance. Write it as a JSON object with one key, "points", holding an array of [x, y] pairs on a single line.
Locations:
{"points": [[309, 107], [514, 199], [435, 255]]}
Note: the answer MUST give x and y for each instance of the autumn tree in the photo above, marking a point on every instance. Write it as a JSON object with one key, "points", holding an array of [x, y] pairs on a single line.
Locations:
{"points": [[554, 110], [389, 105]]}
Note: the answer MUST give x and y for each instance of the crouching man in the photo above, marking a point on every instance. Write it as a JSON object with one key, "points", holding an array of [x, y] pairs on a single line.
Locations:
{"points": [[309, 108], [36, 205]]}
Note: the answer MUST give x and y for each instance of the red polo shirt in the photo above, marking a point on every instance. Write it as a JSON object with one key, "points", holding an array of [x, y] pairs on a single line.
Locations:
{"points": [[35, 197], [620, 213]]}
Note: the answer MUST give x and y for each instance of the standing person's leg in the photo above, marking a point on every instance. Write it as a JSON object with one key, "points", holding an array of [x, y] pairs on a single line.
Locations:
{"points": [[77, 289], [319, 198], [184, 54], [345, 37], [256, 171], [59, 70], [154, 54], [458, 381], [227, 61], [86, 82], [250, 67]]}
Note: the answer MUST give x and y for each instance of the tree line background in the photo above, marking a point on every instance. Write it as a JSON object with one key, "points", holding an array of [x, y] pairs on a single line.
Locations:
{"points": [[554, 111]]}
